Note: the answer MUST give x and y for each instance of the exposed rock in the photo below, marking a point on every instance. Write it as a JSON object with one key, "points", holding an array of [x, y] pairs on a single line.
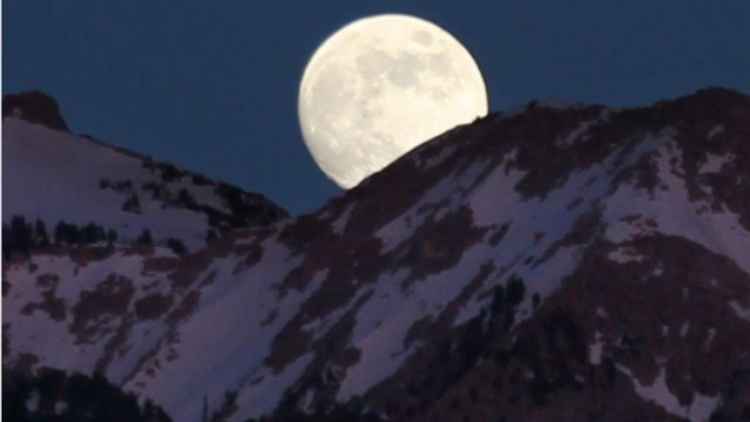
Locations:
{"points": [[35, 107]]}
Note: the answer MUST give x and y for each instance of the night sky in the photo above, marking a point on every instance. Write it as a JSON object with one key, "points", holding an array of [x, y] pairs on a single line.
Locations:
{"points": [[214, 89]]}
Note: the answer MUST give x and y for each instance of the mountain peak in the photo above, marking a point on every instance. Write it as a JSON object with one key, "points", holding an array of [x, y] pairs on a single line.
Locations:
{"points": [[35, 107]]}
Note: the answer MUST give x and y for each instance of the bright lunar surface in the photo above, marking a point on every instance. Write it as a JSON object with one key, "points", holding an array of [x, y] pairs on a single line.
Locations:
{"points": [[380, 86]]}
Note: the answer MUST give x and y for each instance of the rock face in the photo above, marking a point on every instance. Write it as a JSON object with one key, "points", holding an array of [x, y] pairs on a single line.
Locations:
{"points": [[36, 107], [558, 264]]}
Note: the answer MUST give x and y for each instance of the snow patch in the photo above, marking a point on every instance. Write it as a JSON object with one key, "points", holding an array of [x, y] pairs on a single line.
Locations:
{"points": [[684, 328], [595, 349], [60, 407], [739, 310], [576, 133], [32, 403], [624, 255], [445, 152], [261, 399], [339, 224], [714, 163], [715, 131], [69, 170], [699, 409], [673, 213], [709, 339]]}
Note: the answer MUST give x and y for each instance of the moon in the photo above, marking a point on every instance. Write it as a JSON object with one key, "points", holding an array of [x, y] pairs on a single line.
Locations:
{"points": [[380, 86]]}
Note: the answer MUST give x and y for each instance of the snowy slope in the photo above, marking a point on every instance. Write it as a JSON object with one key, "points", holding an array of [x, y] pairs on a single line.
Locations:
{"points": [[619, 224], [53, 175]]}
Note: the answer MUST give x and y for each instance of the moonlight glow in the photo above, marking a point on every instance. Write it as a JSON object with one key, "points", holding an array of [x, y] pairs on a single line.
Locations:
{"points": [[379, 87]]}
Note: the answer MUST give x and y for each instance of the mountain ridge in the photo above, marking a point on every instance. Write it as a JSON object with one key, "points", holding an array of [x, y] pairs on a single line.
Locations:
{"points": [[522, 266], [85, 180]]}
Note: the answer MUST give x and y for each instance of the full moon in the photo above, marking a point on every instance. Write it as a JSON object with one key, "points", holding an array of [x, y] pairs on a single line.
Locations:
{"points": [[380, 86]]}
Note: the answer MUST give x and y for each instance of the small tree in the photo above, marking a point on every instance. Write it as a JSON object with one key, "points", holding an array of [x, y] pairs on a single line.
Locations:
{"points": [[132, 204], [20, 235], [73, 234], [145, 238], [111, 236], [169, 172], [515, 290], [536, 300], [148, 163], [41, 239], [60, 232], [498, 300], [157, 192], [227, 408], [184, 198], [123, 185], [200, 180], [6, 241], [86, 398], [177, 246], [89, 233]]}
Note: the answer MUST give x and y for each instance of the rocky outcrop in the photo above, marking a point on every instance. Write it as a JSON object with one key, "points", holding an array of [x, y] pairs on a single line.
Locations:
{"points": [[35, 107]]}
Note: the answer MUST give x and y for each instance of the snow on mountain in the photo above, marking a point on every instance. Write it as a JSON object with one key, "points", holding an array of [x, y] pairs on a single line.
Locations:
{"points": [[55, 176], [538, 266]]}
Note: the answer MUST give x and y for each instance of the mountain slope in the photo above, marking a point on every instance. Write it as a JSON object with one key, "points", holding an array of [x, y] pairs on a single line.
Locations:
{"points": [[53, 175], [546, 265]]}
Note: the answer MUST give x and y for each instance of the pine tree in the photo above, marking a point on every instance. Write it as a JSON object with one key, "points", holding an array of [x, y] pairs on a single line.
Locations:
{"points": [[204, 415], [515, 291], [132, 204], [145, 238], [88, 233], [41, 239], [184, 198], [111, 236], [60, 232], [86, 398], [73, 234], [6, 241], [20, 235], [498, 300], [177, 246], [101, 235], [536, 300]]}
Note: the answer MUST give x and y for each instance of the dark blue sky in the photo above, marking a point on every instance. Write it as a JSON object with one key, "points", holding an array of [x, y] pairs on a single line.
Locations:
{"points": [[212, 86]]}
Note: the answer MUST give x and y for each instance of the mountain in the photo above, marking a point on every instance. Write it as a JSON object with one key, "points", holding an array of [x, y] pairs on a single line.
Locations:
{"points": [[53, 176], [555, 264]]}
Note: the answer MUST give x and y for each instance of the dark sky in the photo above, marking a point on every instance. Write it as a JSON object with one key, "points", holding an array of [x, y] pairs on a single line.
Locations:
{"points": [[212, 86]]}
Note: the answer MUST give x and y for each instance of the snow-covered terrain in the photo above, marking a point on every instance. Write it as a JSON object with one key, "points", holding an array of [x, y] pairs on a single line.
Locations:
{"points": [[606, 219], [55, 176]]}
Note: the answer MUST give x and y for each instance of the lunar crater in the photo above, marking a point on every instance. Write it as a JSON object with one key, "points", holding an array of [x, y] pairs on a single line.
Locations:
{"points": [[422, 37]]}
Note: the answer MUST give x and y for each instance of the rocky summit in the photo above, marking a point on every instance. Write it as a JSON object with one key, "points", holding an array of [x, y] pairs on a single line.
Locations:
{"points": [[561, 263]]}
